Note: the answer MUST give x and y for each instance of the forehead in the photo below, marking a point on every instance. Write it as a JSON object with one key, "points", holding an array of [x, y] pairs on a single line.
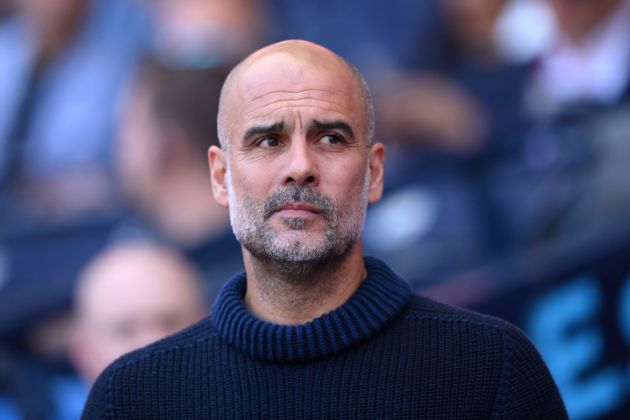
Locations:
{"points": [[134, 283], [280, 82]]}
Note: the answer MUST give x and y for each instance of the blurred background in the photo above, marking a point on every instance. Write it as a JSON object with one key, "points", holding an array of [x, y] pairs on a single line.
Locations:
{"points": [[507, 124]]}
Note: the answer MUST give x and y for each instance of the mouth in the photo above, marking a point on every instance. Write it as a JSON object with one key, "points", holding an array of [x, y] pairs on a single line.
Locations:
{"points": [[298, 209]]}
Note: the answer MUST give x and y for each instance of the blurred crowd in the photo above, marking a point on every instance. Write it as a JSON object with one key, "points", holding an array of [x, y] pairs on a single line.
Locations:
{"points": [[507, 124]]}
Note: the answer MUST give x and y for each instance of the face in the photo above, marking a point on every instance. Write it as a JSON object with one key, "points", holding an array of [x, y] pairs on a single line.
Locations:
{"points": [[297, 223], [299, 172], [130, 304], [222, 29]]}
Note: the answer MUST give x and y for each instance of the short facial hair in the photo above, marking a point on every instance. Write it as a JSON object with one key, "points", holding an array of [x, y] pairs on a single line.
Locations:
{"points": [[297, 258]]}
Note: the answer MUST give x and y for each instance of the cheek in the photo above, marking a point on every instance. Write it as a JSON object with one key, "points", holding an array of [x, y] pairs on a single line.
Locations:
{"points": [[253, 184], [347, 182]]}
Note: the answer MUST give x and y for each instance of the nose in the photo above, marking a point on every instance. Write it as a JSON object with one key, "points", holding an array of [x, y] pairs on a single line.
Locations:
{"points": [[301, 167]]}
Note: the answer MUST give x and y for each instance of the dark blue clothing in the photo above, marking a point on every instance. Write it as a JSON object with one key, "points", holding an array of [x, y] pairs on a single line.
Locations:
{"points": [[383, 354]]}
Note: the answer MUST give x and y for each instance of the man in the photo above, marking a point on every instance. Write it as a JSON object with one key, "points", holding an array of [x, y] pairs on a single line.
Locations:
{"points": [[313, 329], [128, 296]]}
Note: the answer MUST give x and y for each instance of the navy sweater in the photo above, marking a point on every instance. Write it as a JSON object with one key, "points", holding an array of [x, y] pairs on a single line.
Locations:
{"points": [[383, 354]]}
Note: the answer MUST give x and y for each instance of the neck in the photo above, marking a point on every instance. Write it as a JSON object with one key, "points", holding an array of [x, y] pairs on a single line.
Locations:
{"points": [[296, 293]]}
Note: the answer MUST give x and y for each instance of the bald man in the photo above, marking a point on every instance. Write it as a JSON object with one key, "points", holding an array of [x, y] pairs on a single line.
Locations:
{"points": [[129, 296], [312, 328]]}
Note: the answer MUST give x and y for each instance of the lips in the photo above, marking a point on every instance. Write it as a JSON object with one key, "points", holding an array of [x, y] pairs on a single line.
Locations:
{"points": [[294, 202], [299, 207], [298, 210]]}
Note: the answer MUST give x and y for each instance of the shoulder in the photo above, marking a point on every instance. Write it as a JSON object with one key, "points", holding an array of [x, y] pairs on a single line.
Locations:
{"points": [[477, 330], [423, 308], [525, 388]]}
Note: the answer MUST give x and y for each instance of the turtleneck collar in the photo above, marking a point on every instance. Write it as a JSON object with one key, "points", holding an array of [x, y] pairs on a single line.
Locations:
{"points": [[379, 298]]}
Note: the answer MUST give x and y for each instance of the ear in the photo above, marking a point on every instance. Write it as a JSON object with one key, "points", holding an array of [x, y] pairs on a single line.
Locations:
{"points": [[218, 175], [376, 162]]}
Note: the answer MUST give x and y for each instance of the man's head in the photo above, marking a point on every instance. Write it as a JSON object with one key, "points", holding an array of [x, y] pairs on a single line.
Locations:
{"points": [[297, 166], [127, 297]]}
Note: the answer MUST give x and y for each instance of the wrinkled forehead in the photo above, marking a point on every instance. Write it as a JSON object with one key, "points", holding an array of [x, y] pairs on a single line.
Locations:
{"points": [[294, 72]]}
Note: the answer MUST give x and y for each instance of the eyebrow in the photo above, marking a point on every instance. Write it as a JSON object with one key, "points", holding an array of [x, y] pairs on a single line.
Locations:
{"points": [[333, 125], [262, 129]]}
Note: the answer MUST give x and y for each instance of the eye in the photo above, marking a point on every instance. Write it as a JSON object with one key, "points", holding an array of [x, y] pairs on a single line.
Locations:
{"points": [[269, 142], [331, 139]]}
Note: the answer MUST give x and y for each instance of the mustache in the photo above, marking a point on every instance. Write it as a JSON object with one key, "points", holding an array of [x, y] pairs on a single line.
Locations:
{"points": [[281, 198]]}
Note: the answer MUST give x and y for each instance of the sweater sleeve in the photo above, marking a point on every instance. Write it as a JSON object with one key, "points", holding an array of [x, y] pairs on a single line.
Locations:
{"points": [[99, 405], [526, 388]]}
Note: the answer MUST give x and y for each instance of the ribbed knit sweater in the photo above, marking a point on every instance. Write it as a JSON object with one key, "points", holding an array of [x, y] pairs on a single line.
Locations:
{"points": [[383, 354]]}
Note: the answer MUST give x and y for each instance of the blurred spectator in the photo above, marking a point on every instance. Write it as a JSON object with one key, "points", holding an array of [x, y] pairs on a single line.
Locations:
{"points": [[63, 63], [473, 106], [207, 33], [446, 130], [38, 269], [567, 181], [127, 297], [483, 156], [588, 60], [163, 171], [168, 121]]}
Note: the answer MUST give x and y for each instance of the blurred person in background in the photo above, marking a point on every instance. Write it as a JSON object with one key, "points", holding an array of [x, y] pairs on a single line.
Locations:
{"points": [[128, 296], [433, 107], [33, 296], [588, 58], [207, 33], [446, 124], [63, 65], [573, 187], [168, 121], [529, 128]]}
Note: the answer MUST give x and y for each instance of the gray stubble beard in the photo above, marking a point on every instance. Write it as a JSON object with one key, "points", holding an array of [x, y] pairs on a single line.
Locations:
{"points": [[291, 259]]}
